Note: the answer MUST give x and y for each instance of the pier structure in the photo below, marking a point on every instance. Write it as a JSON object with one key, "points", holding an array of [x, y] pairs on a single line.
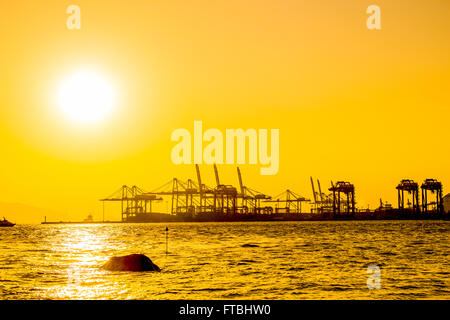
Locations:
{"points": [[411, 188], [435, 187], [193, 200], [347, 204]]}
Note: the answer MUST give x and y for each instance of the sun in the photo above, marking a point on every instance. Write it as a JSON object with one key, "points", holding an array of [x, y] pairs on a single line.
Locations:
{"points": [[86, 98]]}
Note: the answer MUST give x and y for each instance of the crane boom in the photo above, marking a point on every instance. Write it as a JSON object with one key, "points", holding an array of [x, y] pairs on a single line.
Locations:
{"points": [[199, 178], [216, 172], [320, 190], [200, 185], [240, 181], [314, 191]]}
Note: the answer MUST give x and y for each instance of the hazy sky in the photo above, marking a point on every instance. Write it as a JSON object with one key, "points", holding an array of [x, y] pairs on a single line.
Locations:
{"points": [[371, 107]]}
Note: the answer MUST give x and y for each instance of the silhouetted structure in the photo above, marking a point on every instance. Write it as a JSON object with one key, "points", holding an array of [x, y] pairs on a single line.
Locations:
{"points": [[323, 203], [136, 204], [433, 186], [288, 202], [343, 205], [446, 203], [412, 188], [225, 196], [194, 201], [251, 199]]}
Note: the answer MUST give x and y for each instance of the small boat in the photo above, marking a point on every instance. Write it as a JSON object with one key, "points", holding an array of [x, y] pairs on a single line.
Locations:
{"points": [[6, 223]]}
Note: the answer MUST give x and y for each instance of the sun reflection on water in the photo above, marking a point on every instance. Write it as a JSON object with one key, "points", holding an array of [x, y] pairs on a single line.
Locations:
{"points": [[81, 248]]}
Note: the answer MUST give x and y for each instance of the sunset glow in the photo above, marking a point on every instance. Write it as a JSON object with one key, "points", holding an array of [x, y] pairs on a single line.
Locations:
{"points": [[340, 94], [85, 98], [224, 154]]}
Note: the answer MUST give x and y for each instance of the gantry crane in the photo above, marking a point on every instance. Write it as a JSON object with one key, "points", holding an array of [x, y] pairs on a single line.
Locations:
{"points": [[135, 202], [348, 205], [433, 186], [251, 199], [322, 202], [225, 196], [292, 202], [413, 189]]}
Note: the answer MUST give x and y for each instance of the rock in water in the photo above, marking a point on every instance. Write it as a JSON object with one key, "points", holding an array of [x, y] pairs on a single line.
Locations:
{"points": [[132, 262]]}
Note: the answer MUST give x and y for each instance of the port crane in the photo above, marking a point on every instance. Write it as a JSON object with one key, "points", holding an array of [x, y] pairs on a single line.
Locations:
{"points": [[251, 199], [322, 202], [194, 199], [291, 202], [225, 196], [343, 205], [412, 188], [433, 186], [135, 202]]}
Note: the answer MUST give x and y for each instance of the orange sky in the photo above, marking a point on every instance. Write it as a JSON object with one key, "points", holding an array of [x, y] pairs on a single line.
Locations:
{"points": [[371, 107]]}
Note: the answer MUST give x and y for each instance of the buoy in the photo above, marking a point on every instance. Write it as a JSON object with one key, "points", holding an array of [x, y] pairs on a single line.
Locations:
{"points": [[167, 240]]}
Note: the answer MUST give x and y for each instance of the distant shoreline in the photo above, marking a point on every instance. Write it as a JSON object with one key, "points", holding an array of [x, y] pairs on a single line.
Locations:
{"points": [[177, 219]]}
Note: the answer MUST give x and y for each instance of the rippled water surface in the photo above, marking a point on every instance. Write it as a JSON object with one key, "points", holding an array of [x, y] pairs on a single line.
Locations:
{"points": [[275, 260]]}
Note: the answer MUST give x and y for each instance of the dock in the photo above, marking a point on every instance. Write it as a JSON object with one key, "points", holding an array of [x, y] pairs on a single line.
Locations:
{"points": [[192, 200]]}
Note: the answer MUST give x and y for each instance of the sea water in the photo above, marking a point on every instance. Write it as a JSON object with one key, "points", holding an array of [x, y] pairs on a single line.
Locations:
{"points": [[253, 260]]}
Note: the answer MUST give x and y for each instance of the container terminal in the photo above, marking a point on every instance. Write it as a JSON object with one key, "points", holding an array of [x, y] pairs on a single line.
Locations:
{"points": [[193, 201]]}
